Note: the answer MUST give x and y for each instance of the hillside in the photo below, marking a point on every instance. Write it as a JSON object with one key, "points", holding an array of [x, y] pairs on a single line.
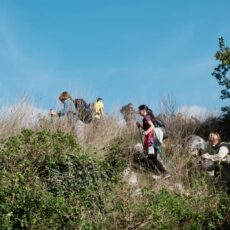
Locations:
{"points": [[51, 179]]}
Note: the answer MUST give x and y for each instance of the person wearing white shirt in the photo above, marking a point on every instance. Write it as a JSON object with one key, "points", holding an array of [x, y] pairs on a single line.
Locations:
{"points": [[219, 154]]}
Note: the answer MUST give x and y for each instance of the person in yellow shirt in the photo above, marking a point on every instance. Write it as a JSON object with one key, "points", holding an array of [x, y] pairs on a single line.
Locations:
{"points": [[98, 109]]}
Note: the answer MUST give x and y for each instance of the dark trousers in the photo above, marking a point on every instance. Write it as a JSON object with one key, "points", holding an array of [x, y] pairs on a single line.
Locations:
{"points": [[155, 164]]}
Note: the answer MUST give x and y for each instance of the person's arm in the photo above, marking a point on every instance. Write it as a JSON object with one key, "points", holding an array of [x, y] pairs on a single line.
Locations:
{"points": [[223, 152], [101, 112], [139, 125], [53, 113], [63, 111], [101, 109], [151, 128]]}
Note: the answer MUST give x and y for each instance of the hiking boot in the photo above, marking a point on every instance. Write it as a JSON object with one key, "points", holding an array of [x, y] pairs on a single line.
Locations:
{"points": [[165, 175]]}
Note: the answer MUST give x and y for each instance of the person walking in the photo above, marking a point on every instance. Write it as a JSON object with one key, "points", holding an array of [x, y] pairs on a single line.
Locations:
{"points": [[68, 110], [149, 139], [98, 109]]}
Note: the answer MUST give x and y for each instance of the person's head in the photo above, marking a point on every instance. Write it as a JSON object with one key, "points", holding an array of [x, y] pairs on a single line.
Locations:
{"points": [[99, 99], [214, 138], [64, 96], [145, 110]]}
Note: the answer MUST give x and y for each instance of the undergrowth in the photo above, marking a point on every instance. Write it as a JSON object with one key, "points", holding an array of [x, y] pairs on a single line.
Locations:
{"points": [[47, 181]]}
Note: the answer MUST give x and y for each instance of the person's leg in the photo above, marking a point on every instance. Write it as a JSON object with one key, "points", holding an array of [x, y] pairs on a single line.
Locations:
{"points": [[152, 158], [71, 122], [96, 123], [216, 171], [224, 177]]}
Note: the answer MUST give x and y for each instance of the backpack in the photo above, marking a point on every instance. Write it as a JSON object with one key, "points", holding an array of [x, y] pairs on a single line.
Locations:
{"points": [[224, 144], [160, 124]]}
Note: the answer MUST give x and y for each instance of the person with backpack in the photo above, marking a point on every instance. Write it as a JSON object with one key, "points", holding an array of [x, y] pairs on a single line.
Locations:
{"points": [[219, 154], [98, 109], [68, 110], [217, 150], [150, 138], [85, 111]]}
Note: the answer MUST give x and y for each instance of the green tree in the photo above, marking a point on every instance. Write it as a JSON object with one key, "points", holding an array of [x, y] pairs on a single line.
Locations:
{"points": [[221, 72]]}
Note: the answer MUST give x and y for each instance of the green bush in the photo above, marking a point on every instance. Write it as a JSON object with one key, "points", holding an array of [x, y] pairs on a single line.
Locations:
{"points": [[167, 210], [116, 159], [43, 173], [48, 182]]}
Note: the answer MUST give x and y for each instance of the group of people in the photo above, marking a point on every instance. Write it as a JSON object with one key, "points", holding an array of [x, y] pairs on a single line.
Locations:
{"points": [[152, 135], [218, 152], [71, 111]]}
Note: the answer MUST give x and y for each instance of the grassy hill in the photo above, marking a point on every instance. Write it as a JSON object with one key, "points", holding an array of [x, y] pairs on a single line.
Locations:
{"points": [[49, 179]]}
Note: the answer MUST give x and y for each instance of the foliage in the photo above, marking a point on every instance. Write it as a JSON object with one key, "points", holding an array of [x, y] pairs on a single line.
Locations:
{"points": [[47, 178], [167, 210], [116, 159], [221, 72], [47, 181]]}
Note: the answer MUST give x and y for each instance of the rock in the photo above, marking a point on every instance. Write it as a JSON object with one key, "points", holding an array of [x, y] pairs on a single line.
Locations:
{"points": [[138, 148], [130, 177], [156, 177], [133, 179], [137, 192], [196, 144]]}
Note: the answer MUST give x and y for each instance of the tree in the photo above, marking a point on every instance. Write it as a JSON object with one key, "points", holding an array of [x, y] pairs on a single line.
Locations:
{"points": [[221, 72]]}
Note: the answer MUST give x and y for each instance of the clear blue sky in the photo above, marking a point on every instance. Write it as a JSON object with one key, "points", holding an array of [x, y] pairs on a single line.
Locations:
{"points": [[120, 50]]}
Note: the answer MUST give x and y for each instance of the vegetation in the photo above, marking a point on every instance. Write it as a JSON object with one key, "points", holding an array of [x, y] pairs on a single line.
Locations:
{"points": [[48, 181], [221, 72]]}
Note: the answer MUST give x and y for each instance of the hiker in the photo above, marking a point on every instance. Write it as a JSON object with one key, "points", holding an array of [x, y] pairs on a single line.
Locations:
{"points": [[150, 139], [98, 109], [68, 109], [218, 154], [85, 111]]}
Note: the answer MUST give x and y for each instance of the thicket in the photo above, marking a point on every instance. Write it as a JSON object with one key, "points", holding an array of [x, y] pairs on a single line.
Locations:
{"points": [[47, 181]]}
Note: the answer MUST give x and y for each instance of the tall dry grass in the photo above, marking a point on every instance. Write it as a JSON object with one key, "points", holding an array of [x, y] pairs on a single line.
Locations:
{"points": [[99, 135], [95, 135], [123, 203], [17, 117], [178, 155]]}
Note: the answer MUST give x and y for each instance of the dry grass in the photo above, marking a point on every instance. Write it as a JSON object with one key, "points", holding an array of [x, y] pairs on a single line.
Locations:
{"points": [[53, 123], [95, 135], [99, 135], [176, 150], [186, 165], [17, 117], [127, 204]]}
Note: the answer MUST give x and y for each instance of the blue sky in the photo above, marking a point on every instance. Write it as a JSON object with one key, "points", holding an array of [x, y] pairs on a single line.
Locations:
{"points": [[124, 51]]}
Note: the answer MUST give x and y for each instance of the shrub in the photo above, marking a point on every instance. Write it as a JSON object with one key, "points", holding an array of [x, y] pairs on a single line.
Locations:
{"points": [[44, 175]]}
